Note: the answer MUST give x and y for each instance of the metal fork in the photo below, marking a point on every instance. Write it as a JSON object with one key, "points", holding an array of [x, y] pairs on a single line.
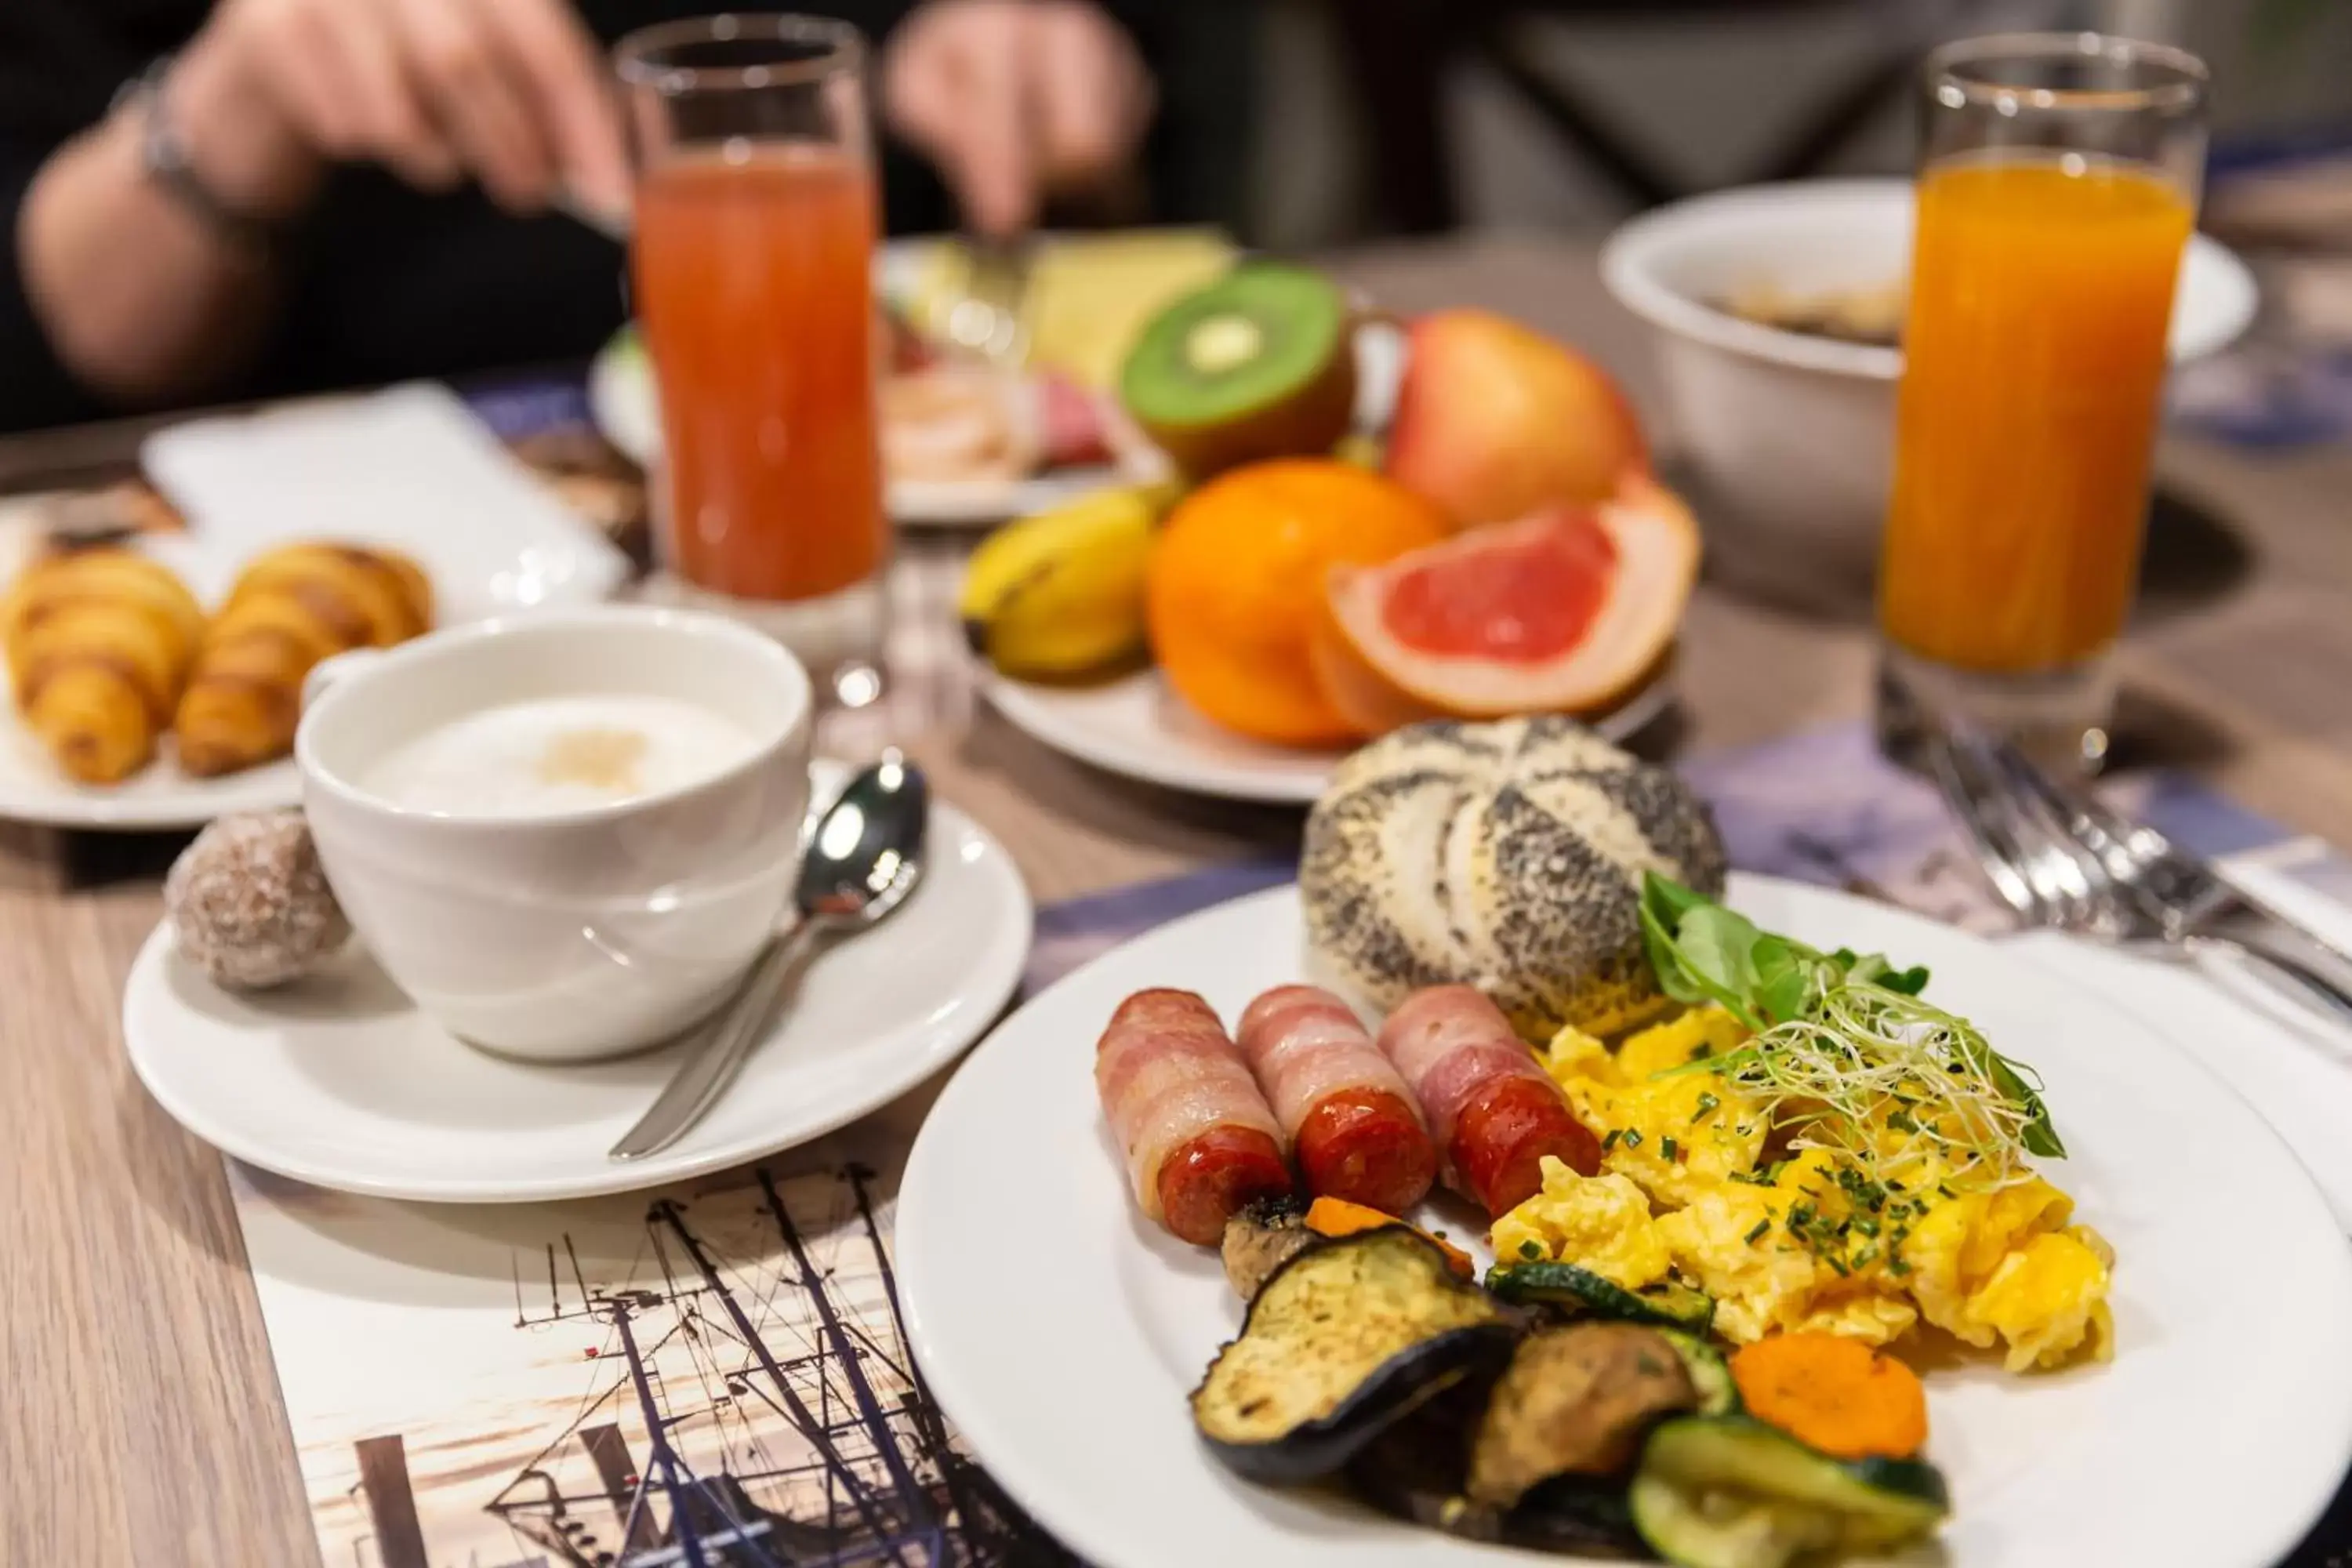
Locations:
{"points": [[2034, 868], [989, 319], [2065, 861]]}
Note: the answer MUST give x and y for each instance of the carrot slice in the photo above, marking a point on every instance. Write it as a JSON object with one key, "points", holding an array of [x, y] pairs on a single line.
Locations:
{"points": [[1337, 1216], [1837, 1394]]}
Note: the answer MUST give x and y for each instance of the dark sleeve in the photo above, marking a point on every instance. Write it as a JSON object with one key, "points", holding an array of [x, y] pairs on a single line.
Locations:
{"points": [[36, 389], [60, 63], [1204, 56]]}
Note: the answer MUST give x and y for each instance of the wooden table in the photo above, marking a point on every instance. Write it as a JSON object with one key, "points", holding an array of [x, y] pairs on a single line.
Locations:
{"points": [[138, 1422]]}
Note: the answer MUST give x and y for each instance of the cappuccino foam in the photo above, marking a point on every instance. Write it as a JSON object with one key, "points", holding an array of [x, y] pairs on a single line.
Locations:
{"points": [[555, 755]]}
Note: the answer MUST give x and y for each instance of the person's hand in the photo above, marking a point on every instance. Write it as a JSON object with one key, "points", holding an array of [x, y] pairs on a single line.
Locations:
{"points": [[511, 93], [1016, 99]]}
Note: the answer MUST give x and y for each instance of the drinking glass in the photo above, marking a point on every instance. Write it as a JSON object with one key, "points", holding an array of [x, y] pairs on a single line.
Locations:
{"points": [[2058, 182], [752, 259]]}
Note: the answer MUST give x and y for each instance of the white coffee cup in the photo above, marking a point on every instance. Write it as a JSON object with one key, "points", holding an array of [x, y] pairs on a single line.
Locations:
{"points": [[569, 934]]}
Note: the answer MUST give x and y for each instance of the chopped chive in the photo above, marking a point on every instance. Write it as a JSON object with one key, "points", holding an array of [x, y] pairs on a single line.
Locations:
{"points": [[1761, 1227], [1668, 1151], [1706, 1102], [1531, 1250], [1609, 1142], [1633, 1137]]}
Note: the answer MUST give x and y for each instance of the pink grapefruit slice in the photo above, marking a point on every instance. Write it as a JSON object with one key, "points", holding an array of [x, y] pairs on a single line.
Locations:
{"points": [[1569, 611]]}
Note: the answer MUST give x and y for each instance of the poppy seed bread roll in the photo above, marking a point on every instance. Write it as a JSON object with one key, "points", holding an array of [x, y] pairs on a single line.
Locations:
{"points": [[1506, 855]]}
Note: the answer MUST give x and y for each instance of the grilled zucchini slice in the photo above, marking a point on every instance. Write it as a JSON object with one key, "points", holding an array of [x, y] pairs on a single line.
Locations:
{"points": [[1341, 1342], [1729, 1492], [1579, 1292], [1718, 1393]]}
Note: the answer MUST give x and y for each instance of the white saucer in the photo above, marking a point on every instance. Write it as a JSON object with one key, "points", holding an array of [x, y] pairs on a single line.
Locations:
{"points": [[338, 1081], [1139, 728]]}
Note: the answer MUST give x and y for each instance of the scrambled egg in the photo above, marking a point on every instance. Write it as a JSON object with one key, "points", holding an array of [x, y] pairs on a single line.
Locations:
{"points": [[1602, 1223], [2004, 1265], [1676, 1133], [1811, 1243]]}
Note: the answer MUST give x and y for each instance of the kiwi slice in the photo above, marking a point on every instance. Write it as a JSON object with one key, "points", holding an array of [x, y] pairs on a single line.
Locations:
{"points": [[1259, 364]]}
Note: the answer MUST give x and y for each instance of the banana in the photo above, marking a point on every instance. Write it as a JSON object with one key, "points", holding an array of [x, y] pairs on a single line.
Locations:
{"points": [[1061, 593]]}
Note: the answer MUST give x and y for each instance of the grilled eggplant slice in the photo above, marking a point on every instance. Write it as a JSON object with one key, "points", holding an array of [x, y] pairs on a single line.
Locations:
{"points": [[1261, 1237], [1576, 1400], [1417, 1470], [1581, 1293], [1578, 1516], [1729, 1492], [1342, 1342]]}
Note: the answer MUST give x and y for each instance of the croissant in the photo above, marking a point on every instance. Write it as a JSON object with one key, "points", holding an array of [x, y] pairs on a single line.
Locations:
{"points": [[292, 607], [99, 646]]}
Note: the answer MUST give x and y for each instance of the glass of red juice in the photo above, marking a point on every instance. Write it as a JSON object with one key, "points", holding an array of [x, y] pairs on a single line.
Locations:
{"points": [[752, 263]]}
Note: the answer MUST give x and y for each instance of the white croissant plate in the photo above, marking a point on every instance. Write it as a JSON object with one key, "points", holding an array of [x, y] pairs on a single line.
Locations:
{"points": [[408, 467]]}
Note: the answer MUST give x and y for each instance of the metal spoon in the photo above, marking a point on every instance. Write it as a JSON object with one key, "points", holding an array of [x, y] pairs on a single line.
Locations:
{"points": [[862, 861]]}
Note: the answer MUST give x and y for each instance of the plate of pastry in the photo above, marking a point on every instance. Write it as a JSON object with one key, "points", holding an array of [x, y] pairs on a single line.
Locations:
{"points": [[132, 708], [155, 673]]}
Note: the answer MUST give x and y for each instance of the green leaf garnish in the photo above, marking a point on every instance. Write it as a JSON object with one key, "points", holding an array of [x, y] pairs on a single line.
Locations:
{"points": [[1846, 1045]]}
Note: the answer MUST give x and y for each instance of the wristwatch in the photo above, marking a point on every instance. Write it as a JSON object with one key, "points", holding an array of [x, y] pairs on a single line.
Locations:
{"points": [[163, 158]]}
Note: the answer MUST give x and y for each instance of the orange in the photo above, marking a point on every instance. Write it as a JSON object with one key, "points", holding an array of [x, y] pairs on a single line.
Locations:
{"points": [[1236, 581]]}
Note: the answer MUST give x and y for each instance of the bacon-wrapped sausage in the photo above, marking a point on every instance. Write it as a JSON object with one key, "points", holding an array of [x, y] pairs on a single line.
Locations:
{"points": [[1199, 1138], [1349, 1117], [1492, 1109]]}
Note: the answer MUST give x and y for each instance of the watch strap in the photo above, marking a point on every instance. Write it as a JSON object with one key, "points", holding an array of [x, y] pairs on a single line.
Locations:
{"points": [[165, 158]]}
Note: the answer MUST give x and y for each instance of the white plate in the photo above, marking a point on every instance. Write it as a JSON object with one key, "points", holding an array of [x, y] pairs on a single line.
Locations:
{"points": [[158, 798], [1139, 728], [1061, 1330], [621, 399], [409, 468], [339, 1081]]}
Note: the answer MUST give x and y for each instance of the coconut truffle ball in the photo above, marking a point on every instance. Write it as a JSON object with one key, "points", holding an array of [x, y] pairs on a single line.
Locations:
{"points": [[1506, 855], [249, 903]]}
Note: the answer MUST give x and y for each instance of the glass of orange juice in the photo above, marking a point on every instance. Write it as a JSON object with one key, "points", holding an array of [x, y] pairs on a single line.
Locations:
{"points": [[2057, 187], [751, 260]]}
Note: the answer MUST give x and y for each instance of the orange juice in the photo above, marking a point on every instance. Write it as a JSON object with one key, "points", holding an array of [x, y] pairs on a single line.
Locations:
{"points": [[2034, 362], [754, 284]]}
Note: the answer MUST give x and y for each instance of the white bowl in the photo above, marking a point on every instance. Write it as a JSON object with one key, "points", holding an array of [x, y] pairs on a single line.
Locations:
{"points": [[1791, 437]]}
